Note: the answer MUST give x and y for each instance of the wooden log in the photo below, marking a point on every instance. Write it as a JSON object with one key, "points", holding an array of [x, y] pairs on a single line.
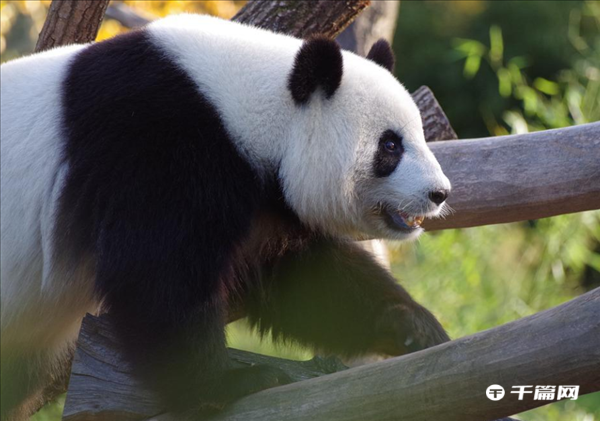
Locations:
{"points": [[302, 18], [435, 122], [376, 22], [520, 177], [71, 22], [560, 346]]}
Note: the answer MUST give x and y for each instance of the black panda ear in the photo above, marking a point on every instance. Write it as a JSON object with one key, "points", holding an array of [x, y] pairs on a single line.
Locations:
{"points": [[318, 63], [382, 54]]}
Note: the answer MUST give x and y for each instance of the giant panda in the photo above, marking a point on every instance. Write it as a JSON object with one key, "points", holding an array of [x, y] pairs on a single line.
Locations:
{"points": [[196, 166]]}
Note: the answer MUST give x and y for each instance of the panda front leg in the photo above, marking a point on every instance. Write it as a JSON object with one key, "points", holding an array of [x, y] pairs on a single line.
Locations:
{"points": [[335, 297], [163, 293]]}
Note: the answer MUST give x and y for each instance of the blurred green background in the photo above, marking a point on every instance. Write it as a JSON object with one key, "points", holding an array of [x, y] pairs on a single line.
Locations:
{"points": [[496, 68]]}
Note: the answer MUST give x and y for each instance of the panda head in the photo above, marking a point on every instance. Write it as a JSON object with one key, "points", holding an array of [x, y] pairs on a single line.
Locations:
{"points": [[356, 162]]}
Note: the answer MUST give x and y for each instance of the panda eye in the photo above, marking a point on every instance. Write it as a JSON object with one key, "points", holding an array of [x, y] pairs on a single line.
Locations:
{"points": [[389, 153], [391, 143], [391, 146]]}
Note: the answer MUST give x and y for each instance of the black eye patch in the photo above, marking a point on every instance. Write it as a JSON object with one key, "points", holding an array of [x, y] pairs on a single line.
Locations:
{"points": [[389, 153]]}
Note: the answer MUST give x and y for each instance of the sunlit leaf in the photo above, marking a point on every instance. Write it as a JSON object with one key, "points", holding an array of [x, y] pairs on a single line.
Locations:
{"points": [[504, 82], [472, 64], [546, 86], [496, 45]]}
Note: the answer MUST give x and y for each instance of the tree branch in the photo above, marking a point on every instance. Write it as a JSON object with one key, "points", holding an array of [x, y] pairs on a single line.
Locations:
{"points": [[302, 18], [520, 177], [71, 22], [126, 16]]}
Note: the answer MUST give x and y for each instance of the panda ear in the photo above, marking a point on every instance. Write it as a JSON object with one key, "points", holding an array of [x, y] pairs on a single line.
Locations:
{"points": [[382, 54], [319, 63]]}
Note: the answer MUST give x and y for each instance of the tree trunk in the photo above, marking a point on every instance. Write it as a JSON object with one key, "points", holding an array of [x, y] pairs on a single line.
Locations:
{"points": [[71, 22]]}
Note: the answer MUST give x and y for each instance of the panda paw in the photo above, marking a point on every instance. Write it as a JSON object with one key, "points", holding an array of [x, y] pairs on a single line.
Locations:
{"points": [[408, 328]]}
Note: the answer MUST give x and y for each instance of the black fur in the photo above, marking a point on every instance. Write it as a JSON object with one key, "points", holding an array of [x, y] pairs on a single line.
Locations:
{"points": [[158, 193], [334, 297], [319, 63], [382, 54], [181, 228], [386, 161]]}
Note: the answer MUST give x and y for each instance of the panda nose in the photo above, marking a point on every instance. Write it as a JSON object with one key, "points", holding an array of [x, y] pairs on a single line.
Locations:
{"points": [[438, 196]]}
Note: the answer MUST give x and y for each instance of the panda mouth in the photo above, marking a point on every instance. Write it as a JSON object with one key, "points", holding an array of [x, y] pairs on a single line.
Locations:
{"points": [[402, 221]]}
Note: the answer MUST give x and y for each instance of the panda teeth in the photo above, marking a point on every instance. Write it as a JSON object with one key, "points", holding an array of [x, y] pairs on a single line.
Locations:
{"points": [[412, 221]]}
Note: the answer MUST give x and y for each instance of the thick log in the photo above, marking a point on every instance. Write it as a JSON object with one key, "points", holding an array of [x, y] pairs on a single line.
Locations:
{"points": [[560, 346], [71, 22], [520, 177], [302, 18], [435, 122]]}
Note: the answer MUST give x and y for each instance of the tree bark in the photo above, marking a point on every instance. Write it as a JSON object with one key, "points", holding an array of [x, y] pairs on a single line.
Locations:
{"points": [[302, 18], [376, 22], [71, 22], [560, 346], [521, 177], [435, 122]]}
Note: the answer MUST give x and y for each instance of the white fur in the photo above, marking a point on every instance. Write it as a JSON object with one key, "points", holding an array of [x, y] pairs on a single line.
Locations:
{"points": [[326, 148], [41, 304]]}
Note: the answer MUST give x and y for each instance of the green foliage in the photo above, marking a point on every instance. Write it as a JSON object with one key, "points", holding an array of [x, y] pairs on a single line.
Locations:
{"points": [[51, 412], [573, 98], [482, 58]]}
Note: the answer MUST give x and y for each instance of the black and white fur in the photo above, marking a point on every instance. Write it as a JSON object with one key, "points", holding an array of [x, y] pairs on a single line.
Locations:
{"points": [[172, 173]]}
